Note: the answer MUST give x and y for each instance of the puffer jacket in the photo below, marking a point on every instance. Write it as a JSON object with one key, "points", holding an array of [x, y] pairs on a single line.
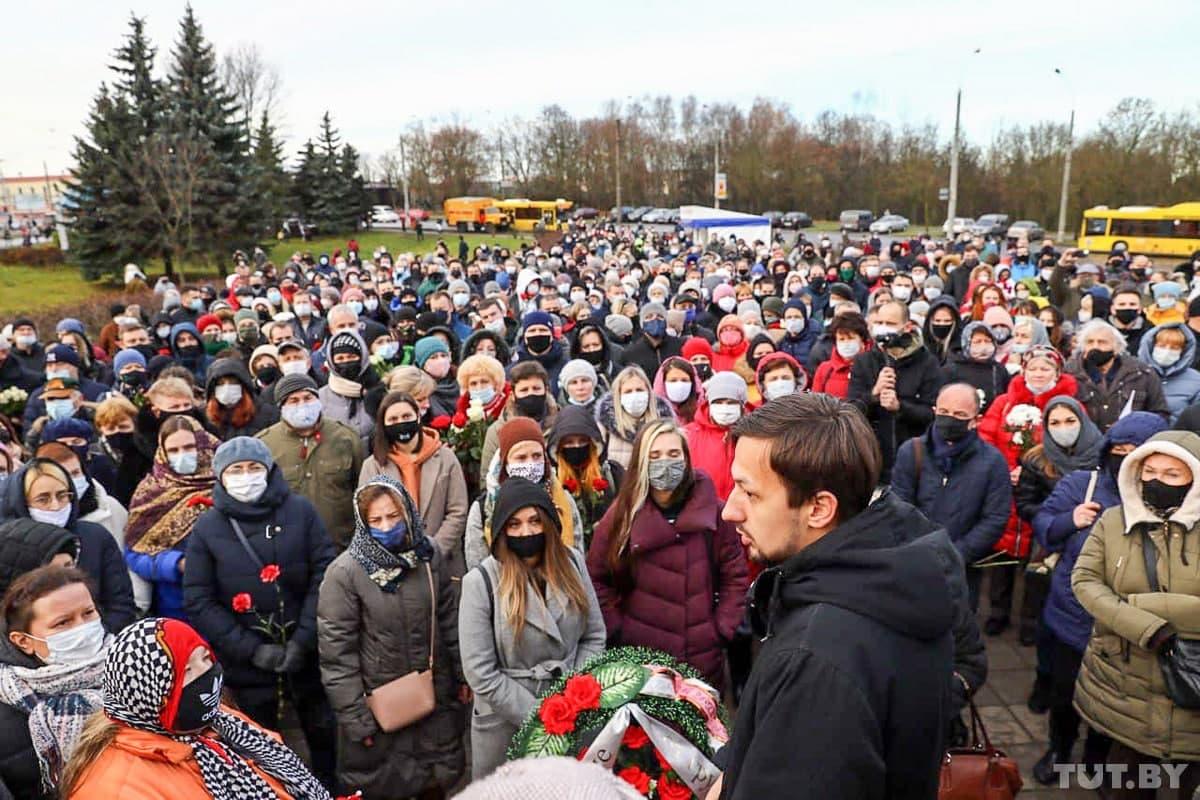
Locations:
{"points": [[1105, 401], [667, 600], [1017, 533], [711, 449], [553, 360], [620, 445], [368, 637], [1180, 382], [1120, 690], [833, 376], [988, 376], [282, 528]]}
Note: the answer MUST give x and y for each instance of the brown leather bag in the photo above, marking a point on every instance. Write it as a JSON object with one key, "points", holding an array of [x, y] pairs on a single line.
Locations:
{"points": [[980, 771], [409, 698]]}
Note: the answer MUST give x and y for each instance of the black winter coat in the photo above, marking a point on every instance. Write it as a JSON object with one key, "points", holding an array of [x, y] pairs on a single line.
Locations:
{"points": [[988, 376], [99, 556], [641, 352], [858, 637], [1034, 485], [283, 529]]}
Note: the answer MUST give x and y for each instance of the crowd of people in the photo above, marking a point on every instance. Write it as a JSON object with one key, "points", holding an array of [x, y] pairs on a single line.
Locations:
{"points": [[284, 496]]}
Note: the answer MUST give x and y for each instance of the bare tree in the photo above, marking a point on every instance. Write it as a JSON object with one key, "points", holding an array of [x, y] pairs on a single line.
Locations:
{"points": [[170, 174], [254, 82]]}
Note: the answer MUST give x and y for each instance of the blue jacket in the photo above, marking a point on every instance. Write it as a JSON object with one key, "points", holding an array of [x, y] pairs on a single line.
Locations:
{"points": [[1180, 383], [1055, 530], [798, 347], [972, 502], [162, 570]]}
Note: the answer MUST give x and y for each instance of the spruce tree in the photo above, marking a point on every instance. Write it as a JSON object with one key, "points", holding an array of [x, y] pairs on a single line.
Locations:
{"points": [[136, 82], [353, 196], [304, 182], [270, 182], [326, 209]]}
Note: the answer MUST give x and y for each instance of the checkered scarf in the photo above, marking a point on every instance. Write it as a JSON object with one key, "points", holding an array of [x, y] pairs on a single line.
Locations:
{"points": [[141, 675], [382, 566]]}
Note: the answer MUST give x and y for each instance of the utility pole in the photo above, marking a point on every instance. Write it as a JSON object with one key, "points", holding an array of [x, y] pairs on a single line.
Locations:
{"points": [[1066, 184], [952, 207], [716, 166], [617, 166], [404, 179]]}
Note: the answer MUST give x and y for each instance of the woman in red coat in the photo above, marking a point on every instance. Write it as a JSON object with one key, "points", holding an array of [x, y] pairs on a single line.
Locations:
{"points": [[707, 434], [1041, 380], [851, 337], [668, 571], [731, 343]]}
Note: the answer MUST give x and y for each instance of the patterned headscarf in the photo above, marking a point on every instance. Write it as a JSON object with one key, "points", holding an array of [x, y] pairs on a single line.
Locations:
{"points": [[384, 567], [167, 504], [143, 679]]}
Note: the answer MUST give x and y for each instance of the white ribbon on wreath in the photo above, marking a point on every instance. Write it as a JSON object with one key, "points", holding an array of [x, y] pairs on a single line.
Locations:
{"points": [[692, 767]]}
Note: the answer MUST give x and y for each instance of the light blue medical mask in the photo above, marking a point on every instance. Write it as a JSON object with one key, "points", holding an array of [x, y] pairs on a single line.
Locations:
{"points": [[60, 409], [484, 395]]}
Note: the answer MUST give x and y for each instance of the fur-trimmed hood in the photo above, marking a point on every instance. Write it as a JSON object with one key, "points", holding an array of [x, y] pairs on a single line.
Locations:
{"points": [[1183, 445]]}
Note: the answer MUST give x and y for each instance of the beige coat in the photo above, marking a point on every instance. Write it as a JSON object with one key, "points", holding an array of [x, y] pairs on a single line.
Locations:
{"points": [[443, 502], [1120, 690]]}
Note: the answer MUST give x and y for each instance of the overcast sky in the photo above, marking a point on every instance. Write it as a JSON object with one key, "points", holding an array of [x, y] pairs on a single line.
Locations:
{"points": [[378, 66]]}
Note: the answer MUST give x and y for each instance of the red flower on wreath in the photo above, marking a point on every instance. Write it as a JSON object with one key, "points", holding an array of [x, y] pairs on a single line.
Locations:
{"points": [[662, 761], [242, 602], [673, 790], [637, 779], [635, 738], [599, 484], [583, 691], [571, 485], [557, 715], [269, 573]]}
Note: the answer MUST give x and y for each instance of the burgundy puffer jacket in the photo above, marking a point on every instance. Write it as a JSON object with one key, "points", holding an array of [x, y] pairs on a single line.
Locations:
{"points": [[668, 602]]}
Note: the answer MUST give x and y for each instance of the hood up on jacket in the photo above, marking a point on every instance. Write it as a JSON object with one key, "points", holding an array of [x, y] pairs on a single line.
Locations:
{"points": [[503, 353], [25, 545], [605, 344], [1145, 352], [888, 563], [13, 505], [223, 367], [1183, 445]]}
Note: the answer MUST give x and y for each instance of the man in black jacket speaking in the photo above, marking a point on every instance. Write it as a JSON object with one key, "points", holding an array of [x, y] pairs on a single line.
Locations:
{"points": [[850, 695]]}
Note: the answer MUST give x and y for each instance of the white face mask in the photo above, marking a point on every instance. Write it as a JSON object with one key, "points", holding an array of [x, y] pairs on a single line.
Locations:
{"points": [[679, 391], [82, 484], [302, 416], [1065, 435], [293, 368], [932, 293], [727, 304], [532, 471], [902, 293], [635, 403], [724, 414], [1085, 315], [228, 394], [780, 388], [795, 326], [849, 348], [302, 309], [56, 518], [1166, 356], [752, 331], [75, 646], [247, 487]]}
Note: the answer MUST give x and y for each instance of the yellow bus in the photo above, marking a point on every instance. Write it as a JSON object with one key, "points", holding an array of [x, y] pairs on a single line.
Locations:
{"points": [[1152, 230], [475, 214], [531, 215]]}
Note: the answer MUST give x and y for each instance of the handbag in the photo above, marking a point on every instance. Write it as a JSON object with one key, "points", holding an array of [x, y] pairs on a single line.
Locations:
{"points": [[409, 698], [979, 771], [1179, 661]]}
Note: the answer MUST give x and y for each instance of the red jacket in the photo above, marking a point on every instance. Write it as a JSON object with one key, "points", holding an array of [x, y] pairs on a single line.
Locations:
{"points": [[669, 604], [711, 450], [833, 376], [1018, 533]]}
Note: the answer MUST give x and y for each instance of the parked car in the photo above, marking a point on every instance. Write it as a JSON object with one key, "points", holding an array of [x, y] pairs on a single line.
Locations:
{"points": [[620, 214], [431, 225], [637, 214], [384, 214], [961, 225], [1026, 229], [795, 220], [296, 227], [774, 217], [855, 220], [585, 212], [888, 223], [990, 225], [672, 216]]}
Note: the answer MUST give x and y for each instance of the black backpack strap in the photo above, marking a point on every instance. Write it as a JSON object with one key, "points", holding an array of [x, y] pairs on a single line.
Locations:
{"points": [[491, 593]]}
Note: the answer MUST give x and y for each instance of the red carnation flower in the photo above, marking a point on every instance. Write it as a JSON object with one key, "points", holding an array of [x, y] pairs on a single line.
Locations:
{"points": [[440, 422], [636, 778], [571, 485], [583, 691], [673, 790], [199, 500], [242, 602], [635, 738], [269, 573], [459, 420], [599, 484], [557, 715]]}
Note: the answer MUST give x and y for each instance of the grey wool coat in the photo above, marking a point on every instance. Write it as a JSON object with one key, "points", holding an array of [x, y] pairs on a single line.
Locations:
{"points": [[508, 675], [367, 637]]}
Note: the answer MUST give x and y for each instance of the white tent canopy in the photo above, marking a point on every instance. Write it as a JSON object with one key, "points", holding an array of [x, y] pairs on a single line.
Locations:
{"points": [[719, 223]]}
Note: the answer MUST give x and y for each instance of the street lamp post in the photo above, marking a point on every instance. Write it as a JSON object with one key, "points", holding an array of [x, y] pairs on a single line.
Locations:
{"points": [[716, 166], [1066, 179], [952, 205]]}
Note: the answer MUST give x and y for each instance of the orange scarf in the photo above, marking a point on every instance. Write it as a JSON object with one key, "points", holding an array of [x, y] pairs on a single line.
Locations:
{"points": [[409, 464]]}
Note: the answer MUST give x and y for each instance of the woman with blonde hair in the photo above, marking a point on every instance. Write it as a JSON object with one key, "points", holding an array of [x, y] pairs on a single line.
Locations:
{"points": [[627, 407], [415, 382], [668, 571], [527, 615]]}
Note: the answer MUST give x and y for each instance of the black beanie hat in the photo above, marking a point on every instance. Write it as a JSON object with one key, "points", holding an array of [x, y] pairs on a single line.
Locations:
{"points": [[515, 494], [1194, 307]]}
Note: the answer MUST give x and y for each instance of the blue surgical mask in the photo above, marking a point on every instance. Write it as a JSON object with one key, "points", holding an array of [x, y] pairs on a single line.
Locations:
{"points": [[273, 297], [60, 409], [196, 305], [484, 395], [356, 307], [388, 351], [183, 463], [391, 537], [655, 327]]}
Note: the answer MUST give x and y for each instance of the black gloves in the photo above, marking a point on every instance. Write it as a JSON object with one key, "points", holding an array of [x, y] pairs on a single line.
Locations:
{"points": [[293, 659], [268, 657]]}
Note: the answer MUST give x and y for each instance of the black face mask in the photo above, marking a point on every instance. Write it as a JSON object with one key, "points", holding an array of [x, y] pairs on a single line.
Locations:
{"points": [[147, 350], [349, 369], [817, 283], [704, 371], [532, 405], [1112, 462], [120, 442], [538, 343], [576, 456], [402, 432], [526, 546], [190, 353], [1162, 498], [268, 375], [135, 378], [951, 429], [1126, 316], [248, 335], [595, 357], [1098, 358], [942, 330], [199, 702]]}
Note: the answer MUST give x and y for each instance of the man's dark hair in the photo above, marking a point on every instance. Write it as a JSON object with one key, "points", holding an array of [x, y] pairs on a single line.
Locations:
{"points": [[850, 323], [490, 302], [818, 443]]}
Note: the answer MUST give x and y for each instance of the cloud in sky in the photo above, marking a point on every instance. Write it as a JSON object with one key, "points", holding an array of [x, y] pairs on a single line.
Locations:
{"points": [[377, 67]]}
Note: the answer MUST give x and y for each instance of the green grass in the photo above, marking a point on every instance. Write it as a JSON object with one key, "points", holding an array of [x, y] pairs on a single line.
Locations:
{"points": [[395, 241], [27, 289]]}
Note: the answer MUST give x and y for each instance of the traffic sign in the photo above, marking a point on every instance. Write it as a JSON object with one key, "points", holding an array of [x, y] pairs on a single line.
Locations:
{"points": [[944, 194], [721, 188]]}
